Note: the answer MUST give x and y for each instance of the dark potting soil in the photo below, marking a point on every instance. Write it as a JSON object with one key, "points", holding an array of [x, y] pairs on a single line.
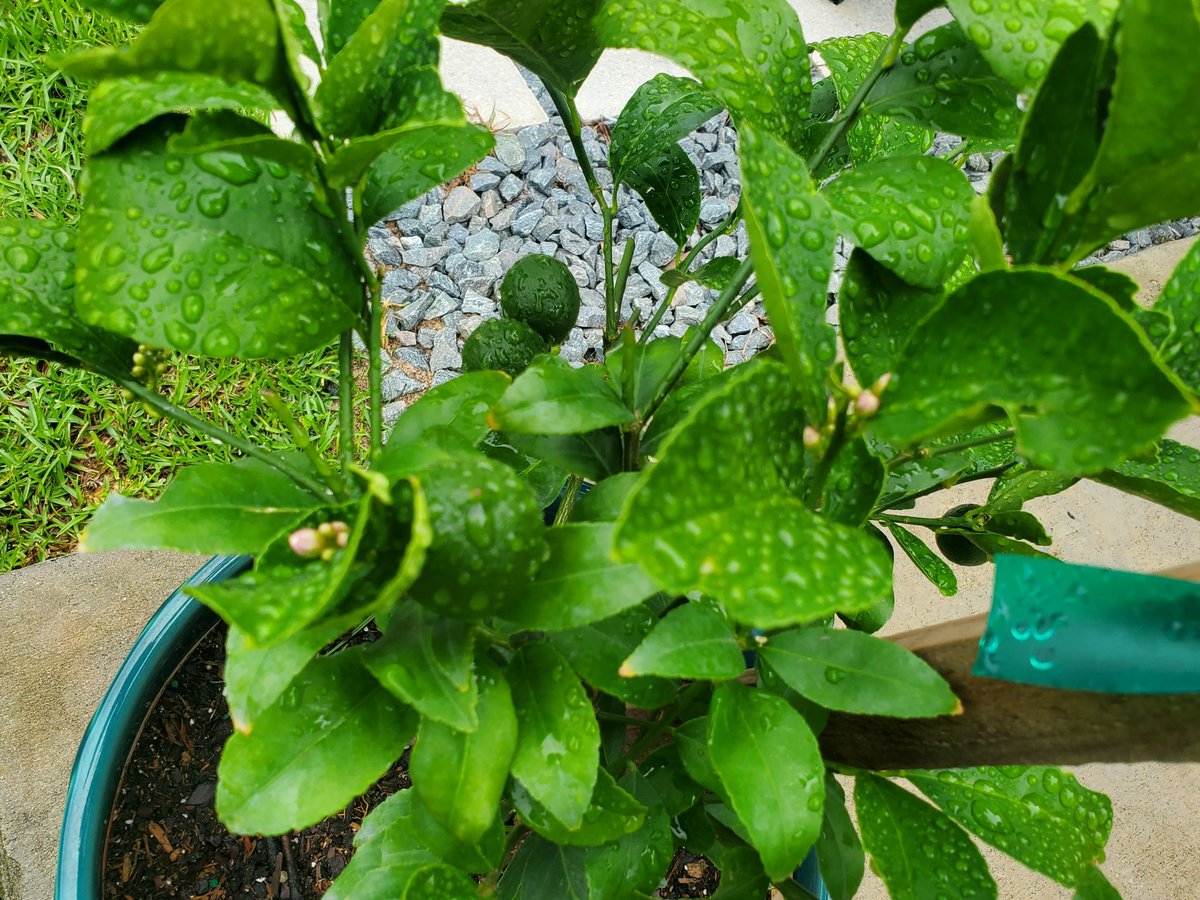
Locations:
{"points": [[165, 840]]}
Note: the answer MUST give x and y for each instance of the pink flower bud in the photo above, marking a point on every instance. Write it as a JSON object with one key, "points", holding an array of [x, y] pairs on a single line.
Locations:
{"points": [[306, 543], [866, 405], [812, 438], [881, 384]]}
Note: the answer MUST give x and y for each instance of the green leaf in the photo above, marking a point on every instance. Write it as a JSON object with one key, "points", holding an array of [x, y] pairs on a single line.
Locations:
{"points": [[299, 46], [431, 882], [596, 652], [770, 766], [611, 815], [660, 112], [1014, 523], [457, 408], [541, 869], [1039, 816], [750, 53], [1119, 286], [228, 508], [942, 81], [931, 565], [594, 455], [651, 364], [791, 243], [742, 875], [558, 741], [856, 673], [692, 641], [692, 740], [670, 186], [459, 776], [925, 474], [839, 851], [223, 131], [340, 19], [283, 593], [1020, 41], [909, 214], [1083, 389], [37, 281], [418, 161], [663, 773], [898, 831], [286, 775], [850, 60], [1094, 886], [204, 265], [378, 74], [488, 537], [133, 10], [634, 863], [1017, 487], [855, 483], [768, 559], [909, 11], [118, 106], [604, 502], [715, 274], [1180, 299], [879, 313], [993, 544], [428, 662], [1171, 480], [560, 49], [1146, 167], [229, 39], [579, 583], [551, 397], [1065, 116]]}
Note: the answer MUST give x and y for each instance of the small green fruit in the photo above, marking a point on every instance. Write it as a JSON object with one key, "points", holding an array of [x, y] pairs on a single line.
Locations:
{"points": [[541, 292], [505, 345], [958, 548]]}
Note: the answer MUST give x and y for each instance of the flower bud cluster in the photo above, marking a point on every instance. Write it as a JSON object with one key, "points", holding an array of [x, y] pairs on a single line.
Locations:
{"points": [[321, 542]]}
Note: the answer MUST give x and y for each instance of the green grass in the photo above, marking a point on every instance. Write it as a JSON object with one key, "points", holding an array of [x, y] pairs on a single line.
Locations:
{"points": [[66, 437]]}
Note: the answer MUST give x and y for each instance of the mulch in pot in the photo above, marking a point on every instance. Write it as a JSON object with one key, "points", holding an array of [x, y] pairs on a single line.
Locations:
{"points": [[165, 840]]}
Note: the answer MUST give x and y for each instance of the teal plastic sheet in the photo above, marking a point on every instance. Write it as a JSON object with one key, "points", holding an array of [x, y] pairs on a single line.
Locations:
{"points": [[1085, 628]]}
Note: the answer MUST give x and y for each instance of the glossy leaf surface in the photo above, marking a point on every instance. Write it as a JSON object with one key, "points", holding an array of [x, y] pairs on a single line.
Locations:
{"points": [[611, 815], [634, 863], [543, 869], [1172, 479], [459, 407], [660, 112], [551, 397], [839, 850], [1180, 299], [929, 563], [670, 186], [594, 455], [692, 641], [855, 483]]}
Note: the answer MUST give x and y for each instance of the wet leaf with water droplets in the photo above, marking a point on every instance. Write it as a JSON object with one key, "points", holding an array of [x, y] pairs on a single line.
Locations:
{"points": [[611, 815], [596, 652], [1042, 817], [399, 161], [1094, 886], [552, 397], [715, 274], [839, 850], [459, 776], [542, 869], [909, 215], [916, 849], [592, 454], [857, 673], [942, 82], [119, 105], [1171, 478], [929, 563], [750, 53], [227, 508], [37, 296], [558, 43], [331, 735], [791, 243], [225, 131], [434, 881], [924, 475], [692, 641], [429, 663], [770, 766], [1018, 486], [850, 59], [1180, 300], [855, 482], [1083, 389], [768, 559], [558, 740], [634, 863], [909, 11], [659, 113], [670, 186], [579, 583], [455, 412], [219, 255], [339, 20]]}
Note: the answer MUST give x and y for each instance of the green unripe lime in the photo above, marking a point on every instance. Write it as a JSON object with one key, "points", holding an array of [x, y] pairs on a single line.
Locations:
{"points": [[505, 345], [541, 292], [958, 548]]}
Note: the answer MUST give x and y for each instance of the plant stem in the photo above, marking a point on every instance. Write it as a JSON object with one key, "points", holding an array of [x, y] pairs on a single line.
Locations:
{"points": [[623, 272], [301, 439], [624, 720], [816, 487], [659, 312], [492, 635], [942, 450], [716, 313], [373, 340], [346, 399], [570, 495], [886, 59], [932, 524], [569, 113], [661, 724], [745, 299], [221, 436]]}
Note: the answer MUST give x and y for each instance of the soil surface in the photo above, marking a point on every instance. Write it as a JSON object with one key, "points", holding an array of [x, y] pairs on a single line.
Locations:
{"points": [[165, 840]]}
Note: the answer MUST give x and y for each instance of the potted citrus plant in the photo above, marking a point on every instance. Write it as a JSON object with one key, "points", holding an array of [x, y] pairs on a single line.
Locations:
{"points": [[577, 696]]}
